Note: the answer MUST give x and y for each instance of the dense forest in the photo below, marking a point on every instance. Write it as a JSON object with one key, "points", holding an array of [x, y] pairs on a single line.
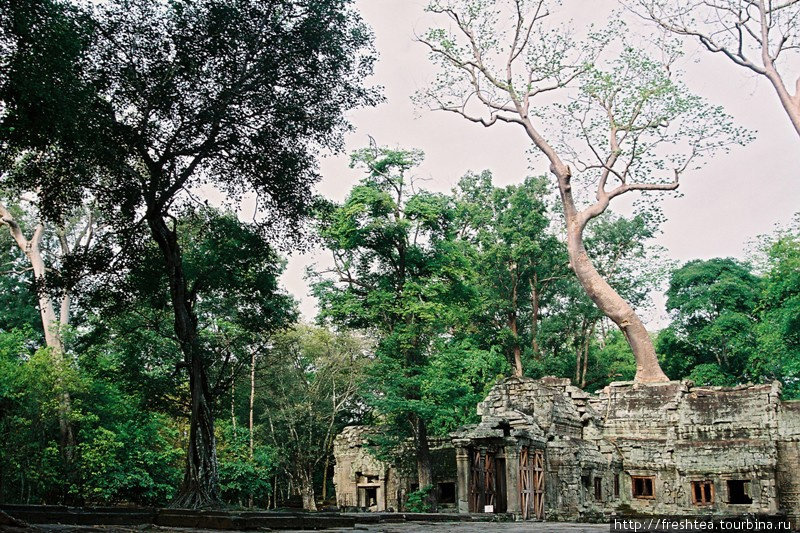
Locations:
{"points": [[148, 353]]}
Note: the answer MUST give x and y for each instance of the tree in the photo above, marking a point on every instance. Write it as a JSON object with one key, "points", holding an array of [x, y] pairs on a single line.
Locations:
{"points": [[42, 42], [711, 337], [397, 273], [575, 332], [518, 257], [778, 331], [312, 378], [233, 96], [759, 35], [237, 305], [627, 127], [70, 238]]}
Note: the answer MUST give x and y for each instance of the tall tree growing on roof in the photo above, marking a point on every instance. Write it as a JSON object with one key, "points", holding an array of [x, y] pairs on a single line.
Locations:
{"points": [[620, 127], [762, 36], [236, 96]]}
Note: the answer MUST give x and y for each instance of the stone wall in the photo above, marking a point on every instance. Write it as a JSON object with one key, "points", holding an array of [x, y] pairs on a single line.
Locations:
{"points": [[742, 443], [680, 434], [356, 467], [788, 468]]}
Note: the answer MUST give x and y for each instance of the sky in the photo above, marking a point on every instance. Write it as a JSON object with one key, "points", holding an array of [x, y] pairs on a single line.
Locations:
{"points": [[723, 207]]}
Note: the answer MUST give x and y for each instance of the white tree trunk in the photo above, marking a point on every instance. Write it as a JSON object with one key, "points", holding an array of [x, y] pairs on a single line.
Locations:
{"points": [[613, 306], [52, 323]]}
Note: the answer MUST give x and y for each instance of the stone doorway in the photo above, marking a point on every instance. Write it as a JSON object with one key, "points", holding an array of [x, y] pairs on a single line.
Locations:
{"points": [[484, 489], [531, 483]]}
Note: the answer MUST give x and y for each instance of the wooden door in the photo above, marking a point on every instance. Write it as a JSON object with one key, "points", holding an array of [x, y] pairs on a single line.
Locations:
{"points": [[531, 483], [525, 482], [482, 480], [538, 484]]}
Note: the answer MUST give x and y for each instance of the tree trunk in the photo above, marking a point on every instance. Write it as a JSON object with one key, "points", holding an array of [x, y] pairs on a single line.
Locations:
{"points": [[600, 292], [200, 487], [233, 401], [252, 397], [324, 493], [307, 491], [252, 401], [790, 103], [537, 352], [512, 324], [614, 307], [424, 460], [586, 344], [579, 355], [52, 324]]}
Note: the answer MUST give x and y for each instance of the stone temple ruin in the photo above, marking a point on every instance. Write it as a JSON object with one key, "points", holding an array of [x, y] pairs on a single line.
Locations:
{"points": [[547, 450], [364, 482]]}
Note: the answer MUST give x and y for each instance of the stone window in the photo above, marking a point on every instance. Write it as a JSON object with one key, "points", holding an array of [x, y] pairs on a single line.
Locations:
{"points": [[739, 491], [643, 487], [446, 493], [702, 492], [368, 496], [598, 489], [616, 486]]}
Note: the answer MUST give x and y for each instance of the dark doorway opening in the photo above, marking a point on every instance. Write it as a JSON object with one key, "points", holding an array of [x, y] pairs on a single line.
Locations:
{"points": [[739, 491], [368, 496], [501, 500], [643, 487], [446, 493]]}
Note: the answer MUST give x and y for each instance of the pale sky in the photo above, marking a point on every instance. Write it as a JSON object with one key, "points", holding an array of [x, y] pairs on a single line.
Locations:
{"points": [[733, 199]]}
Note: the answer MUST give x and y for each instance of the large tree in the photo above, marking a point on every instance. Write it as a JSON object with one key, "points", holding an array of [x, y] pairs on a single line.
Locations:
{"points": [[713, 305], [397, 275], [518, 259], [762, 36], [623, 125], [236, 97], [40, 70], [312, 378]]}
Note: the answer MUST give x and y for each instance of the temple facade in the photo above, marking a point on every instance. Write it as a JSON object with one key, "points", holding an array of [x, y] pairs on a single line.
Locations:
{"points": [[547, 450], [364, 482]]}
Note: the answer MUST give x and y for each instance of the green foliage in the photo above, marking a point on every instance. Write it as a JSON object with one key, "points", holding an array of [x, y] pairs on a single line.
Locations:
{"points": [[778, 332], [402, 275], [714, 306], [308, 385], [419, 501], [711, 375], [124, 453], [516, 259], [458, 377], [241, 475], [732, 325]]}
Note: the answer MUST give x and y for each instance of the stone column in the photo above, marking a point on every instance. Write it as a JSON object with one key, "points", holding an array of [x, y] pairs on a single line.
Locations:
{"points": [[462, 487], [512, 480], [380, 497]]}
